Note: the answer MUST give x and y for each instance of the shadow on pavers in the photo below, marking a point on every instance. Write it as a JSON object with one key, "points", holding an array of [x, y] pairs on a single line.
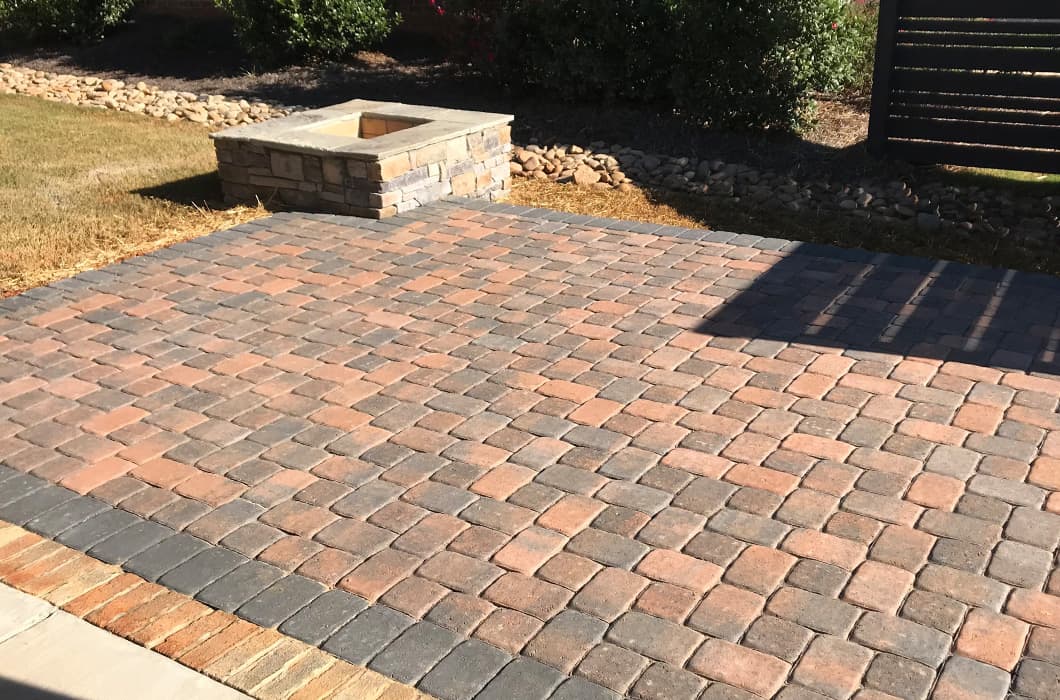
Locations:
{"points": [[918, 307], [13, 690]]}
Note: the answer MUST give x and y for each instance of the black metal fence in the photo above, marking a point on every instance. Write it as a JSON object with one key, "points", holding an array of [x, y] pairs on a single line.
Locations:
{"points": [[968, 82]]}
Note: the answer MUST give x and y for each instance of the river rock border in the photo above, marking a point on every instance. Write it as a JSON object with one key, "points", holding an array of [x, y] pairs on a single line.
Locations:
{"points": [[933, 206], [215, 111]]}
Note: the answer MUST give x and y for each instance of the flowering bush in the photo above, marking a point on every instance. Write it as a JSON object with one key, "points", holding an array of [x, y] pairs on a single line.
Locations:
{"points": [[737, 63], [281, 31], [853, 54]]}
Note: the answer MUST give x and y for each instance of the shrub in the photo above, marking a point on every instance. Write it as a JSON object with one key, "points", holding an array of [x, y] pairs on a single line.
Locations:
{"points": [[79, 20], [280, 31], [581, 48], [754, 63], [855, 49], [587, 48], [736, 63]]}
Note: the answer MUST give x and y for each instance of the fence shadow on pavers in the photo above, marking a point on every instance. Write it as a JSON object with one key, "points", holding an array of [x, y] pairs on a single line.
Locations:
{"points": [[13, 690], [917, 307]]}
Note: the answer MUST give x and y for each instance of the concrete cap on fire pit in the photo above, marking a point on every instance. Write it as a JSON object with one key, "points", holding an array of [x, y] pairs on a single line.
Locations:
{"points": [[365, 130]]}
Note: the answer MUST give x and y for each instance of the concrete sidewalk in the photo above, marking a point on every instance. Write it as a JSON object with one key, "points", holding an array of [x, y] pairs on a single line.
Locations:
{"points": [[47, 654]]}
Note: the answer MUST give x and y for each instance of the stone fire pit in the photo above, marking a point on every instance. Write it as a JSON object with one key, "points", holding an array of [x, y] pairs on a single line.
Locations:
{"points": [[372, 159]]}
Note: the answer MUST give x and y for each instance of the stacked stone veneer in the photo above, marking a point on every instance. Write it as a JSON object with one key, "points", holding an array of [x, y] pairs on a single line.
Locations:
{"points": [[472, 162]]}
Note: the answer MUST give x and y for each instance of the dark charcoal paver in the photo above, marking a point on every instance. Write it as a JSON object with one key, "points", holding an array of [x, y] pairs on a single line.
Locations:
{"points": [[281, 600], [96, 529], [664, 681], [899, 676], [239, 585], [320, 619], [967, 678], [129, 542], [164, 556], [523, 678], [415, 652], [34, 504], [18, 487], [201, 570], [1037, 679], [579, 689], [657, 639], [57, 520], [464, 671], [367, 634]]}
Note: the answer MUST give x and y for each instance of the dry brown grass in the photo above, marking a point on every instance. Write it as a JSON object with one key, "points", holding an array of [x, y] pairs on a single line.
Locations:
{"points": [[636, 205], [81, 188], [839, 124], [690, 211]]}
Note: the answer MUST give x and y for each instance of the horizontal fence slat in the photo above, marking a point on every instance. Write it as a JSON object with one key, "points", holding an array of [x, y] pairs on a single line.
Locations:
{"points": [[1009, 9], [962, 131], [975, 115], [975, 83], [971, 57], [979, 39], [993, 101], [975, 156], [968, 82], [996, 26]]}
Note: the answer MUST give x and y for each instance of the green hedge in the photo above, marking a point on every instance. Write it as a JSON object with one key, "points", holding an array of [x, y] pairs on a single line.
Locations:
{"points": [[754, 63], [751, 64], [79, 20], [584, 48], [282, 31]]}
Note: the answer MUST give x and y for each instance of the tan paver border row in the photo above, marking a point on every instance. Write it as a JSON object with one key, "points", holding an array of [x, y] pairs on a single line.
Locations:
{"points": [[260, 662]]}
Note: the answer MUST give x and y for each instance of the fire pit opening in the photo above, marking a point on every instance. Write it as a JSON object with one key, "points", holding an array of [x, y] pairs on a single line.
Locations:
{"points": [[365, 126]]}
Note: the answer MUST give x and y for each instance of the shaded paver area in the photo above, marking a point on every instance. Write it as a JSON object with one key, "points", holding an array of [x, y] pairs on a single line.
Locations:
{"points": [[504, 453]]}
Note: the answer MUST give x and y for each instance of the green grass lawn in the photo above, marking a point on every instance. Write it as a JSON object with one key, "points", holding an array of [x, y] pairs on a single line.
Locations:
{"points": [[1032, 184], [82, 187]]}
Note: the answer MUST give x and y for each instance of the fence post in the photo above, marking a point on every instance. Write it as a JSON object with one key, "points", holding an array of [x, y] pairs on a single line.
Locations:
{"points": [[886, 38]]}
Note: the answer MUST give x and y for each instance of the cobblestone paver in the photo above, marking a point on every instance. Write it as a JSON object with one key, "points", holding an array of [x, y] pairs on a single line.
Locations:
{"points": [[499, 453]]}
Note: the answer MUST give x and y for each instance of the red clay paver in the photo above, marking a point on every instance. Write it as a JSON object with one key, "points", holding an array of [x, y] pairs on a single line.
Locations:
{"points": [[675, 452]]}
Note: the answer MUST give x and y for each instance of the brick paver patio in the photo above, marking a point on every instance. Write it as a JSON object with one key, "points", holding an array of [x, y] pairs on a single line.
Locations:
{"points": [[503, 453]]}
